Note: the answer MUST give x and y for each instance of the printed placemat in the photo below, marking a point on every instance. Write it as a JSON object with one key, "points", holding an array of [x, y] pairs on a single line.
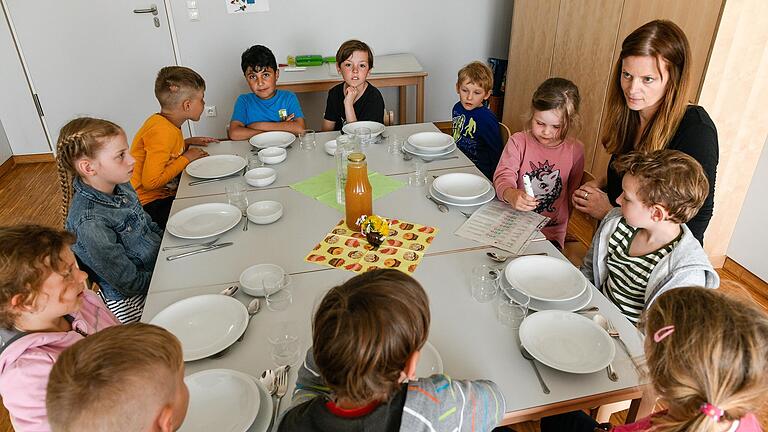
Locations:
{"points": [[403, 249]]}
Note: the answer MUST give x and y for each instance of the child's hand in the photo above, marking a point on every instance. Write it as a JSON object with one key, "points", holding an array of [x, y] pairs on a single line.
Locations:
{"points": [[200, 141], [350, 94], [290, 118], [194, 153], [519, 200]]}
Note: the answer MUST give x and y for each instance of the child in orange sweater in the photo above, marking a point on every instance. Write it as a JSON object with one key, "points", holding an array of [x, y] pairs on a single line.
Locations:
{"points": [[160, 150]]}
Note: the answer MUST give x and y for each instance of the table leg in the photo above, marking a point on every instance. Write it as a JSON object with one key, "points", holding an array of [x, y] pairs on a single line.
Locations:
{"points": [[420, 100], [402, 92]]}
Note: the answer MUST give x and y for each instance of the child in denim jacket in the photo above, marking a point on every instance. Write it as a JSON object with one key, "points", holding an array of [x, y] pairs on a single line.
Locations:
{"points": [[116, 240]]}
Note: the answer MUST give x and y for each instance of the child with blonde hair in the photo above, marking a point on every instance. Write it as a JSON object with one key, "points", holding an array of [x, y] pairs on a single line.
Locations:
{"points": [[159, 148], [44, 308], [706, 356], [475, 127], [116, 239], [125, 378], [360, 373], [643, 248], [355, 99], [547, 155]]}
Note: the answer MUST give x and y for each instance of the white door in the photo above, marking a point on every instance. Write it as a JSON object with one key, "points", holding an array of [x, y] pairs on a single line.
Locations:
{"points": [[93, 57]]}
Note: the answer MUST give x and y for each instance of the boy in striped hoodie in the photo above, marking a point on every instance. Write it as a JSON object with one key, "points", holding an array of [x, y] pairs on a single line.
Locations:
{"points": [[360, 374]]}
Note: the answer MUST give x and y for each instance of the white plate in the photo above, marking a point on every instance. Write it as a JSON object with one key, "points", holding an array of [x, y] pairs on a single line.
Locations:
{"points": [[205, 324], [567, 341], [215, 166], [485, 198], [204, 220], [265, 411], [416, 152], [221, 400], [461, 187], [538, 305], [430, 362], [375, 127], [430, 142], [272, 139], [251, 278], [546, 278]]}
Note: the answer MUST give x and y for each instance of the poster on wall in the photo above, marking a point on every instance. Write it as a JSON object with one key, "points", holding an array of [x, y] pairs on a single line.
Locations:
{"points": [[247, 6]]}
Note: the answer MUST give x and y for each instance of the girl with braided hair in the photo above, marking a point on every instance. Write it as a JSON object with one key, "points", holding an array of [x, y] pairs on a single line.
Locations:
{"points": [[116, 240]]}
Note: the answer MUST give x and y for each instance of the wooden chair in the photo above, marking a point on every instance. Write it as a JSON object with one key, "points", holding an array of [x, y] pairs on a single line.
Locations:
{"points": [[505, 133], [581, 229]]}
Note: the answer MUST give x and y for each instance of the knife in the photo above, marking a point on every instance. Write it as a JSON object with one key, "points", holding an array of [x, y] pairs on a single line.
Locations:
{"points": [[197, 182], [195, 252]]}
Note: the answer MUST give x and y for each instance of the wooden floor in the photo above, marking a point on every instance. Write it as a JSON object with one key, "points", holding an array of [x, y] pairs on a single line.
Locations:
{"points": [[29, 193]]}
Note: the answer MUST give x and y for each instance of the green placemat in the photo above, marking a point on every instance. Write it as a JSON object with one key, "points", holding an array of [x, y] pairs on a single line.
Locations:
{"points": [[322, 187]]}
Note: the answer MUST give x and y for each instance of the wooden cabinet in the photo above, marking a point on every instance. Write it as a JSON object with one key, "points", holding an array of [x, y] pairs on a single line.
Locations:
{"points": [[580, 40]]}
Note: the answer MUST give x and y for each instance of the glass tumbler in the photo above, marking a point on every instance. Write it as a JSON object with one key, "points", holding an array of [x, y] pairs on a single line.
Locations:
{"points": [[513, 310], [277, 291], [485, 283], [307, 139], [363, 134], [285, 344], [236, 195]]}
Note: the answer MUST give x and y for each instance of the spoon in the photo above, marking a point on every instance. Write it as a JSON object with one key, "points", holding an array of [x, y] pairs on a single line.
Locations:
{"points": [[268, 380], [587, 310], [229, 291], [502, 258], [253, 308], [602, 322], [529, 357]]}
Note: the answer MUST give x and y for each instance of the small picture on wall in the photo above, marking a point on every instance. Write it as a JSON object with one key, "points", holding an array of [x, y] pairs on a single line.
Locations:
{"points": [[247, 6]]}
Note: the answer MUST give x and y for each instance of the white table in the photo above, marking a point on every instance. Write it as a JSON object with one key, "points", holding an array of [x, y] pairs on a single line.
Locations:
{"points": [[473, 346]]}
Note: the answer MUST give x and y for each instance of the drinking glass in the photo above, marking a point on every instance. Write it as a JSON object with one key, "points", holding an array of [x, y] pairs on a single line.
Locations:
{"points": [[277, 291], [513, 310], [364, 135], [307, 139], [485, 283], [285, 345], [254, 161], [236, 195], [418, 175], [394, 144]]}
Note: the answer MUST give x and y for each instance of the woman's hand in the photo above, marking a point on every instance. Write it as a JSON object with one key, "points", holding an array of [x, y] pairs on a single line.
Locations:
{"points": [[591, 200], [519, 200]]}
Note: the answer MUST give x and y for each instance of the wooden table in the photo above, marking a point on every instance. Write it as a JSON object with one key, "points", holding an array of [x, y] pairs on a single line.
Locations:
{"points": [[472, 347], [320, 79]]}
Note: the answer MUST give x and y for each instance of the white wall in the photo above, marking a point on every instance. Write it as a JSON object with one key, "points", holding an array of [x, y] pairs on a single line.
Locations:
{"points": [[5, 146], [17, 110], [443, 34], [750, 236]]}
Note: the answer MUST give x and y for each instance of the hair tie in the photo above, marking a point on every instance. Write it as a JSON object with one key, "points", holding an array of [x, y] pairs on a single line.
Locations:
{"points": [[663, 332], [711, 411]]}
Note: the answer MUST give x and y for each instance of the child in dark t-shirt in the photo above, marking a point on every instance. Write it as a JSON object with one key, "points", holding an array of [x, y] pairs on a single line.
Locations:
{"points": [[355, 99]]}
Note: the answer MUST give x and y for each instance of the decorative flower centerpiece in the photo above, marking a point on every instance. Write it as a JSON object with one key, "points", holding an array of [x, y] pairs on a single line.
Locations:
{"points": [[375, 228]]}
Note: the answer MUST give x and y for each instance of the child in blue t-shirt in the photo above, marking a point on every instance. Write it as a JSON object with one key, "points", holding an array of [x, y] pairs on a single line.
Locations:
{"points": [[266, 109], [475, 127]]}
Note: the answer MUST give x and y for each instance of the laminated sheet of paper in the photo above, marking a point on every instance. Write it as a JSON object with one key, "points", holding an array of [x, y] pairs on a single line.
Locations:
{"points": [[499, 225]]}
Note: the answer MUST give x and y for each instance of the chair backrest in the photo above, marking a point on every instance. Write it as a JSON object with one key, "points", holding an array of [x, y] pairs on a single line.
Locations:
{"points": [[505, 133], [586, 224]]}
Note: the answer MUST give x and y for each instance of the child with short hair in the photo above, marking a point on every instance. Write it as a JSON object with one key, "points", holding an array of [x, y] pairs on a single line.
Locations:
{"points": [[706, 358], [367, 335], [550, 157], [475, 127], [266, 108], [116, 240], [44, 308], [644, 248], [159, 148], [125, 378], [355, 99]]}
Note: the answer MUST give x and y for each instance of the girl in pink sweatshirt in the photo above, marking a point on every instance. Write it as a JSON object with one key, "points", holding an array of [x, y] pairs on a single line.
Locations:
{"points": [[547, 155], [44, 308]]}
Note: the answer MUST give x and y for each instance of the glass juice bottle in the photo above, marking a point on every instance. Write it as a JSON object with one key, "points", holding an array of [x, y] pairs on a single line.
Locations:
{"points": [[358, 192]]}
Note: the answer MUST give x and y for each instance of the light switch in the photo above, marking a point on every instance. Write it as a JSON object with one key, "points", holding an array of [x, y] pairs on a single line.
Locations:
{"points": [[194, 14]]}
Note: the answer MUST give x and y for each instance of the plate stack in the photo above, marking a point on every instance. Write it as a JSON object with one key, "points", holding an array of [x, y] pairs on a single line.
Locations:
{"points": [[429, 145], [462, 190], [551, 283]]}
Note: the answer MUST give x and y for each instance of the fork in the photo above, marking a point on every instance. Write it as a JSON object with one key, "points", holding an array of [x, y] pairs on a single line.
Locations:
{"points": [[189, 245], [245, 216], [439, 159], [282, 389], [614, 333]]}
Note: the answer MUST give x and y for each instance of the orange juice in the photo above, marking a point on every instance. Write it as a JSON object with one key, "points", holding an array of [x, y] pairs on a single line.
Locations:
{"points": [[358, 194]]}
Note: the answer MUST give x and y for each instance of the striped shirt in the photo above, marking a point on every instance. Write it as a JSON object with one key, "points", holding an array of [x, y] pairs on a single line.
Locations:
{"points": [[628, 275]]}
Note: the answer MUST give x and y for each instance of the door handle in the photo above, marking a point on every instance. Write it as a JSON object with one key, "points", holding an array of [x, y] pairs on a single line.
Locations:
{"points": [[152, 10]]}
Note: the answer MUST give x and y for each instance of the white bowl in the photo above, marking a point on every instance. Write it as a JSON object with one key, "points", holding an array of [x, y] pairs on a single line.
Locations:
{"points": [[264, 212], [272, 139], [461, 186], [330, 147], [273, 155], [260, 177], [250, 278], [430, 142]]}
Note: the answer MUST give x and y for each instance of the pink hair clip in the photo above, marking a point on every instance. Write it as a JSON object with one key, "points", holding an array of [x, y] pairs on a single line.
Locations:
{"points": [[663, 332], [711, 411]]}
